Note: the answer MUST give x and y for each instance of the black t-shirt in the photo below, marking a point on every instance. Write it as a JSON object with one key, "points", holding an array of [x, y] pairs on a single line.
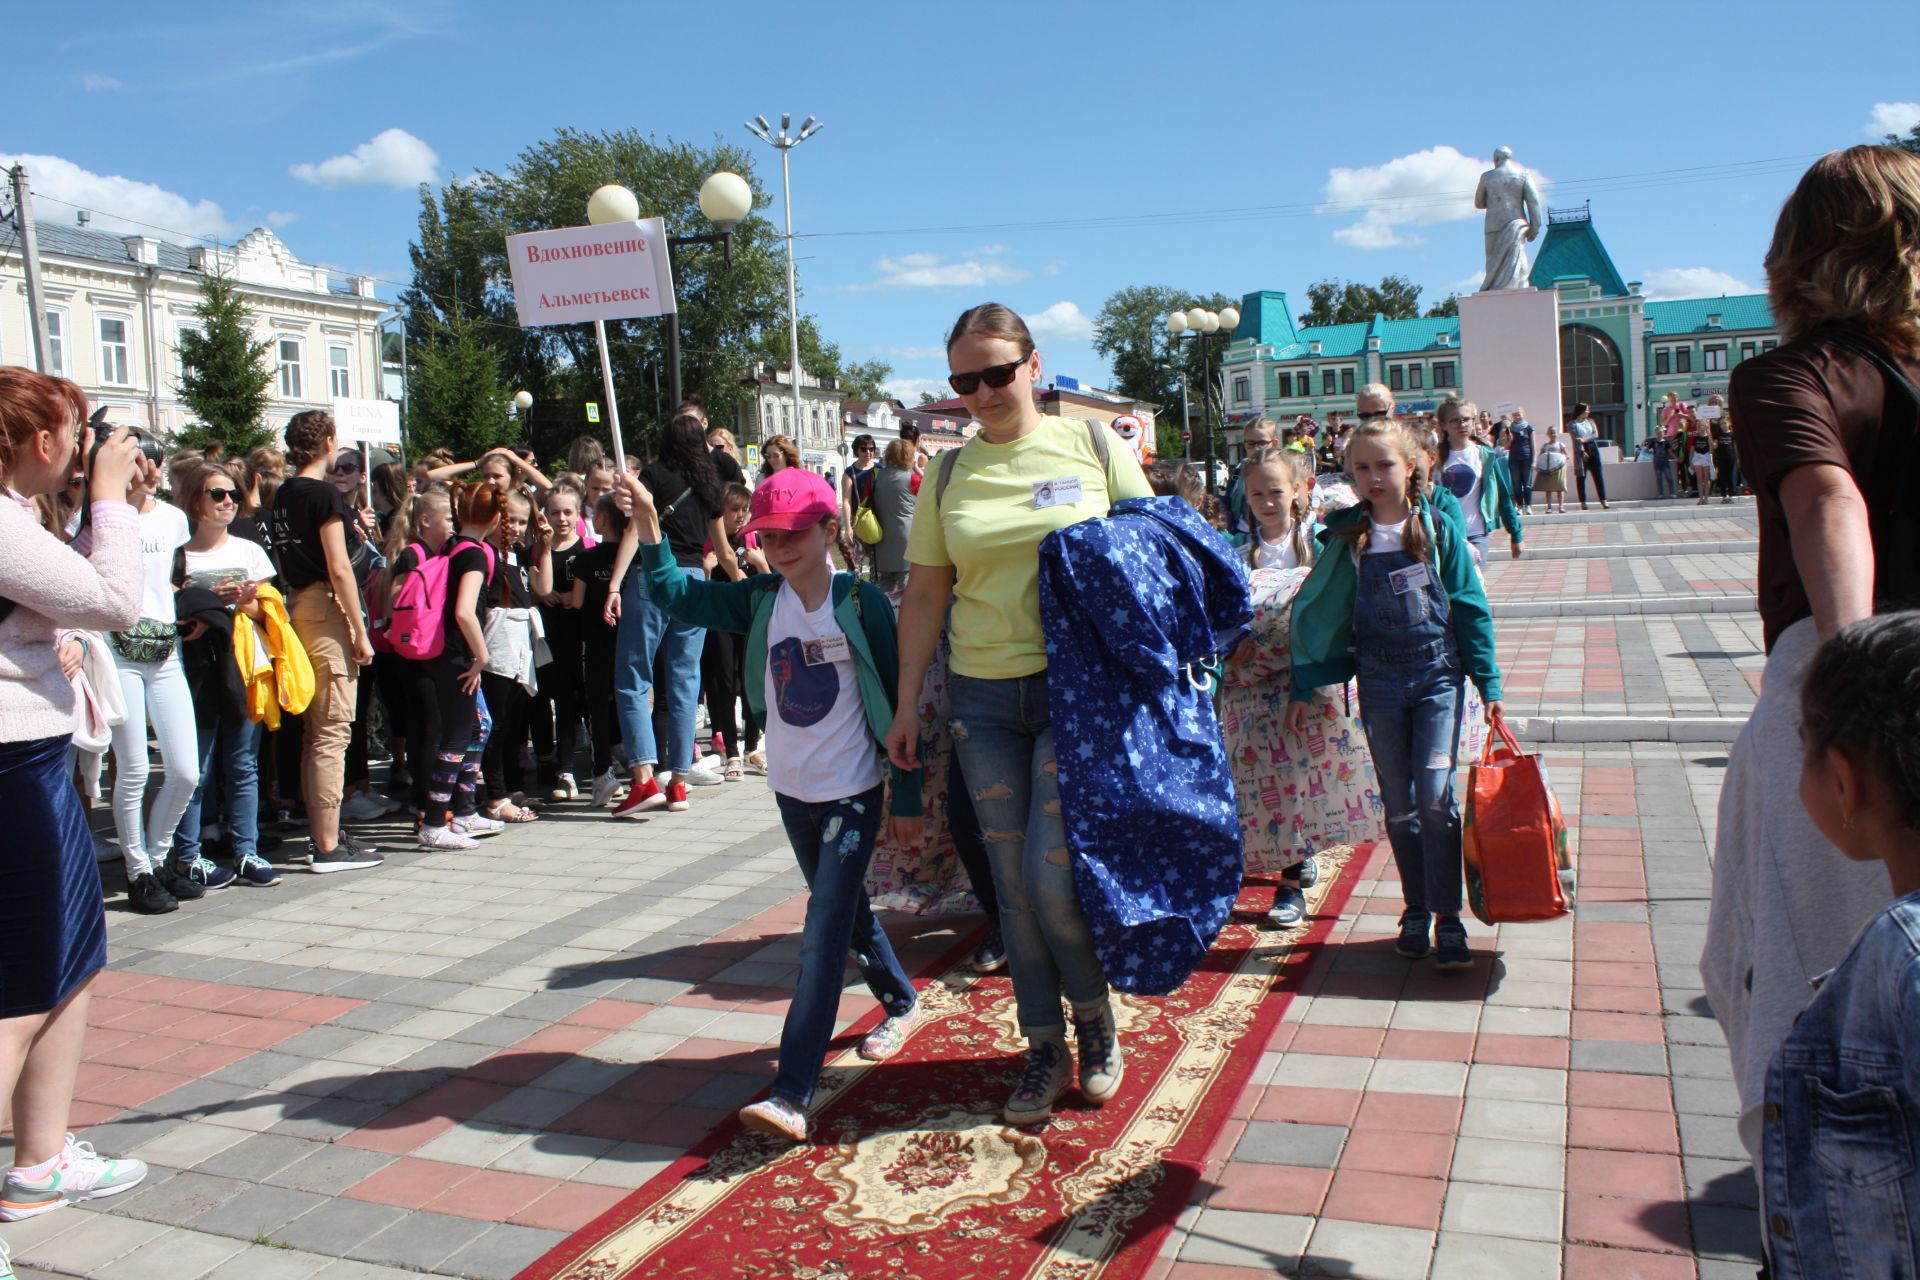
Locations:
{"points": [[512, 585], [468, 557], [565, 565], [300, 510], [730, 472], [685, 525], [595, 568]]}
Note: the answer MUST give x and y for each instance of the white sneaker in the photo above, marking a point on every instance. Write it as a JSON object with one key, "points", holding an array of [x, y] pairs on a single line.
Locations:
{"points": [[603, 788], [564, 788], [444, 838], [476, 826], [703, 775]]}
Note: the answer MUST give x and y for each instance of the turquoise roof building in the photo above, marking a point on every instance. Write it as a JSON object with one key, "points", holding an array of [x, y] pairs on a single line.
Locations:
{"points": [[1619, 352]]}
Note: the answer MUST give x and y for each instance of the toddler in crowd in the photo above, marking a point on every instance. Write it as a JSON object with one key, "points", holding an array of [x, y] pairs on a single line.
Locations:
{"points": [[1303, 792], [822, 664], [1394, 598], [1842, 1118]]}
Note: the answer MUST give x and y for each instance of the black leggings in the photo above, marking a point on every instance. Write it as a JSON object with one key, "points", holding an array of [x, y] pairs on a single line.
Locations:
{"points": [[722, 665], [1591, 469], [597, 694], [456, 756], [562, 703], [422, 692], [509, 703], [391, 679]]}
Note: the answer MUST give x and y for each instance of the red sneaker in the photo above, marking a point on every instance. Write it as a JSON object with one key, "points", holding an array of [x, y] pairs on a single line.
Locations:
{"points": [[642, 798], [677, 798]]}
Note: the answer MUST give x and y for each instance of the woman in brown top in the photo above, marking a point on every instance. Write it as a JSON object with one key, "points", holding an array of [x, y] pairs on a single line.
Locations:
{"points": [[1828, 442]]}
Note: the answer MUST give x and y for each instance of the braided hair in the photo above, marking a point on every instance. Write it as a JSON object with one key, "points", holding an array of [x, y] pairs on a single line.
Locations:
{"points": [[1863, 690]]}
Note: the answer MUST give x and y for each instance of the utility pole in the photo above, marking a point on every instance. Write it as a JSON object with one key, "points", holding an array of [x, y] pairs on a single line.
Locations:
{"points": [[30, 251]]}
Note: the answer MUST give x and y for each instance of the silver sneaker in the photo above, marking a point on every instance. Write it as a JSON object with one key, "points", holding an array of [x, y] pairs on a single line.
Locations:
{"points": [[1102, 1065], [1048, 1073]]}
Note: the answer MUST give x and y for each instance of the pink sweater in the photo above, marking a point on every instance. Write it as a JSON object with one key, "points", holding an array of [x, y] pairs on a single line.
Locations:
{"points": [[53, 587]]}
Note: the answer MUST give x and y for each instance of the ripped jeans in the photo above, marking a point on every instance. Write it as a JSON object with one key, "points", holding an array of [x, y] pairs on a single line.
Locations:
{"points": [[1003, 734], [1412, 719], [833, 842]]}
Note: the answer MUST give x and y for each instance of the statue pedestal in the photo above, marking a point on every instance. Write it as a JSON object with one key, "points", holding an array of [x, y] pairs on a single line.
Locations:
{"points": [[1510, 353]]}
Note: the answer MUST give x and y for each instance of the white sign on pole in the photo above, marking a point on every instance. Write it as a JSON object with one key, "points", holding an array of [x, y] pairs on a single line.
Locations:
{"points": [[1506, 407], [1708, 413], [367, 421], [615, 271]]}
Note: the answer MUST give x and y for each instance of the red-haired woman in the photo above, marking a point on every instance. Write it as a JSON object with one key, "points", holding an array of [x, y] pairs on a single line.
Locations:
{"points": [[53, 933]]}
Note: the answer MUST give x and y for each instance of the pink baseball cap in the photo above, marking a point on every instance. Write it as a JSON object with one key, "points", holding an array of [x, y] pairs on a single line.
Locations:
{"points": [[792, 499]]}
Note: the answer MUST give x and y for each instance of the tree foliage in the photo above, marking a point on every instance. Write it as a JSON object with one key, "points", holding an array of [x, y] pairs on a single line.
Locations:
{"points": [[457, 397], [1447, 306], [1350, 302], [1909, 143], [733, 306], [1148, 361], [225, 375], [866, 380]]}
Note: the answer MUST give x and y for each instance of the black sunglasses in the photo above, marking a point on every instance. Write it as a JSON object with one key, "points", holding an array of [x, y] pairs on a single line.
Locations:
{"points": [[1371, 414], [997, 376], [217, 496]]}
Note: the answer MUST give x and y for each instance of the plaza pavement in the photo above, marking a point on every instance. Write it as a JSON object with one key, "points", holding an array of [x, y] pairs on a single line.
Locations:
{"points": [[446, 1065]]}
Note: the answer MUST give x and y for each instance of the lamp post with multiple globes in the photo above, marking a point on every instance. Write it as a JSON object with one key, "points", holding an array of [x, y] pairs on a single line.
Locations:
{"points": [[1200, 323]]}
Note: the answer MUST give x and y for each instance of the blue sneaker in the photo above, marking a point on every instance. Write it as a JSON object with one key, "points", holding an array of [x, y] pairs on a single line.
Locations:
{"points": [[205, 872], [256, 872], [1416, 928], [1289, 908], [991, 954]]}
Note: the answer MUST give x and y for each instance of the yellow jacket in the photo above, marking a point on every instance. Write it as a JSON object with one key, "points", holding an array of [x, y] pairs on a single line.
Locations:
{"points": [[285, 681]]}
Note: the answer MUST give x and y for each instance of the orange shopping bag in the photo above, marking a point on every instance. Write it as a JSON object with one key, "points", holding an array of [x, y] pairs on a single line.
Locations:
{"points": [[1519, 865]]}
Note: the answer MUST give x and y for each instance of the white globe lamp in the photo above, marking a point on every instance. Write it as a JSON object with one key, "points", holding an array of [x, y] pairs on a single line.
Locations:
{"points": [[523, 400], [1229, 318], [1211, 323], [726, 199], [612, 203], [1197, 319]]}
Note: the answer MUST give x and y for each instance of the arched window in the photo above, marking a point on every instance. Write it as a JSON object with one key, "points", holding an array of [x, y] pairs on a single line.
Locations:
{"points": [[1591, 372]]}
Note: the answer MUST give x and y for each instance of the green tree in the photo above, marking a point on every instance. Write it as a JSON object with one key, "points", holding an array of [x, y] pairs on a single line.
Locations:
{"points": [[225, 374], [457, 397], [1447, 306], [1909, 143], [866, 380], [1350, 302], [932, 397], [1148, 361]]}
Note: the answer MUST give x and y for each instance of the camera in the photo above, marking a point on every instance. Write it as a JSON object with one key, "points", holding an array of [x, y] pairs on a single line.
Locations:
{"points": [[150, 447]]}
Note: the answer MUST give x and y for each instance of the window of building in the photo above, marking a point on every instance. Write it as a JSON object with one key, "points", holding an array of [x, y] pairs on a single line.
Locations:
{"points": [[1748, 350], [1768, 344], [1683, 359], [113, 352], [1590, 371], [1396, 377], [1346, 382], [339, 372], [1242, 389], [1284, 385], [57, 343], [180, 347], [1327, 383], [290, 378], [1663, 360], [1716, 358], [1416, 377], [1443, 375]]}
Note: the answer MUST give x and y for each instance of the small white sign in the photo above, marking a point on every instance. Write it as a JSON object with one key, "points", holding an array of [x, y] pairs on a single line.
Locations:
{"points": [[367, 421], [1707, 412], [617, 271], [1507, 407]]}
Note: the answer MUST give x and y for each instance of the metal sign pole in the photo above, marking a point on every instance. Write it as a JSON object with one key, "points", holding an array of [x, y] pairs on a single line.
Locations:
{"points": [[613, 403]]}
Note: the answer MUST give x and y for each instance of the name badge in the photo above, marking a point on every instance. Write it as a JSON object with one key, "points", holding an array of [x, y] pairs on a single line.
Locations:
{"points": [[825, 650], [1405, 580], [1064, 492]]}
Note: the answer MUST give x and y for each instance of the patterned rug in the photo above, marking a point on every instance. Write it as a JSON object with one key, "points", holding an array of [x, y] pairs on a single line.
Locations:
{"points": [[913, 1176]]}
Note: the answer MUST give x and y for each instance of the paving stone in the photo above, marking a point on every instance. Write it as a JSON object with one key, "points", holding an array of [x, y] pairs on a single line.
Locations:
{"points": [[1722, 1231], [1721, 1182], [258, 1212], [1710, 1136], [1271, 1242], [502, 1252], [321, 1042], [181, 1198], [1340, 1248], [1707, 1062], [257, 1158], [1703, 1096], [261, 1262], [337, 1226], [1528, 1213], [419, 1241], [1613, 1055], [330, 1118], [176, 1255], [331, 1170], [1313, 1145], [1470, 1257]]}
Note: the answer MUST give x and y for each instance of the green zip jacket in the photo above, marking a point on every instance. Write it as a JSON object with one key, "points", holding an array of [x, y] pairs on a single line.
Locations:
{"points": [[747, 606], [1323, 611], [1496, 494]]}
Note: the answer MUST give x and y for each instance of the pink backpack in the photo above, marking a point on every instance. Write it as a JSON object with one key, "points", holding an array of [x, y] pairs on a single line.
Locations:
{"points": [[417, 626]]}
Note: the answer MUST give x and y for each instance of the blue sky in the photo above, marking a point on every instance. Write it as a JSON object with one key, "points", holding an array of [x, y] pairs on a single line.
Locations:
{"points": [[1041, 155]]}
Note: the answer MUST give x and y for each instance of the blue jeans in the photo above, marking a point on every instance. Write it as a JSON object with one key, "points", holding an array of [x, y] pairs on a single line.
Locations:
{"points": [[1412, 721], [648, 641], [238, 751], [1663, 486], [1003, 734], [839, 918]]}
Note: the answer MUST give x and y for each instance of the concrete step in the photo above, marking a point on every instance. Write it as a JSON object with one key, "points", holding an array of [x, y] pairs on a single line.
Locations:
{"points": [[1613, 606], [1624, 550], [1663, 508], [1542, 729]]}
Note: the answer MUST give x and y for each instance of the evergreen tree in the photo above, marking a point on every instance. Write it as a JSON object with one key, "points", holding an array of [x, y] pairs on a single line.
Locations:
{"points": [[225, 373], [457, 396]]}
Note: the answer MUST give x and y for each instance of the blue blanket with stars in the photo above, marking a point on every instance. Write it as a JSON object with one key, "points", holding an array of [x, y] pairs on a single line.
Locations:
{"points": [[1130, 604]]}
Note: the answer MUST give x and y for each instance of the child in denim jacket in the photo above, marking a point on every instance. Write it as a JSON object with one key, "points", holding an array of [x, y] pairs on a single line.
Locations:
{"points": [[1842, 1117]]}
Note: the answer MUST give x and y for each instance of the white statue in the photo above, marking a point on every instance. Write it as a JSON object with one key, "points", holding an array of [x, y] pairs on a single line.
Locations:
{"points": [[1512, 202]]}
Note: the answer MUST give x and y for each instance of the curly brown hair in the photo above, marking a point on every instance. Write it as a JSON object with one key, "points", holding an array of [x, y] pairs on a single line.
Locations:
{"points": [[1847, 248]]}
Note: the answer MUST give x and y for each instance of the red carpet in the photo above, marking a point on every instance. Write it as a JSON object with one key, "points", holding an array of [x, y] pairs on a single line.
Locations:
{"points": [[912, 1175]]}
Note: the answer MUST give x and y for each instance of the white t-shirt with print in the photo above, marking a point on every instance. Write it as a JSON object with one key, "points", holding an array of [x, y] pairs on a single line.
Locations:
{"points": [[239, 560], [818, 746], [163, 530], [1463, 477]]}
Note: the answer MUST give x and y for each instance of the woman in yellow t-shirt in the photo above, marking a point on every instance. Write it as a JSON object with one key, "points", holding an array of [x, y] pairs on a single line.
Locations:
{"points": [[975, 545]]}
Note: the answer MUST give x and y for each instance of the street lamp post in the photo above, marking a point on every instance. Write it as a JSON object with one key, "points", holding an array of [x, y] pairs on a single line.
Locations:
{"points": [[523, 402], [785, 142], [1200, 323], [726, 199]]}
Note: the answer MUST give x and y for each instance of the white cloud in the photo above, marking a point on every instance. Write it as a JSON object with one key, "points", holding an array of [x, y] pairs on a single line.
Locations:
{"points": [[1892, 117], [120, 205], [277, 218], [907, 390], [1417, 190], [1061, 322], [94, 82], [393, 158], [1693, 282], [917, 353], [931, 271]]}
